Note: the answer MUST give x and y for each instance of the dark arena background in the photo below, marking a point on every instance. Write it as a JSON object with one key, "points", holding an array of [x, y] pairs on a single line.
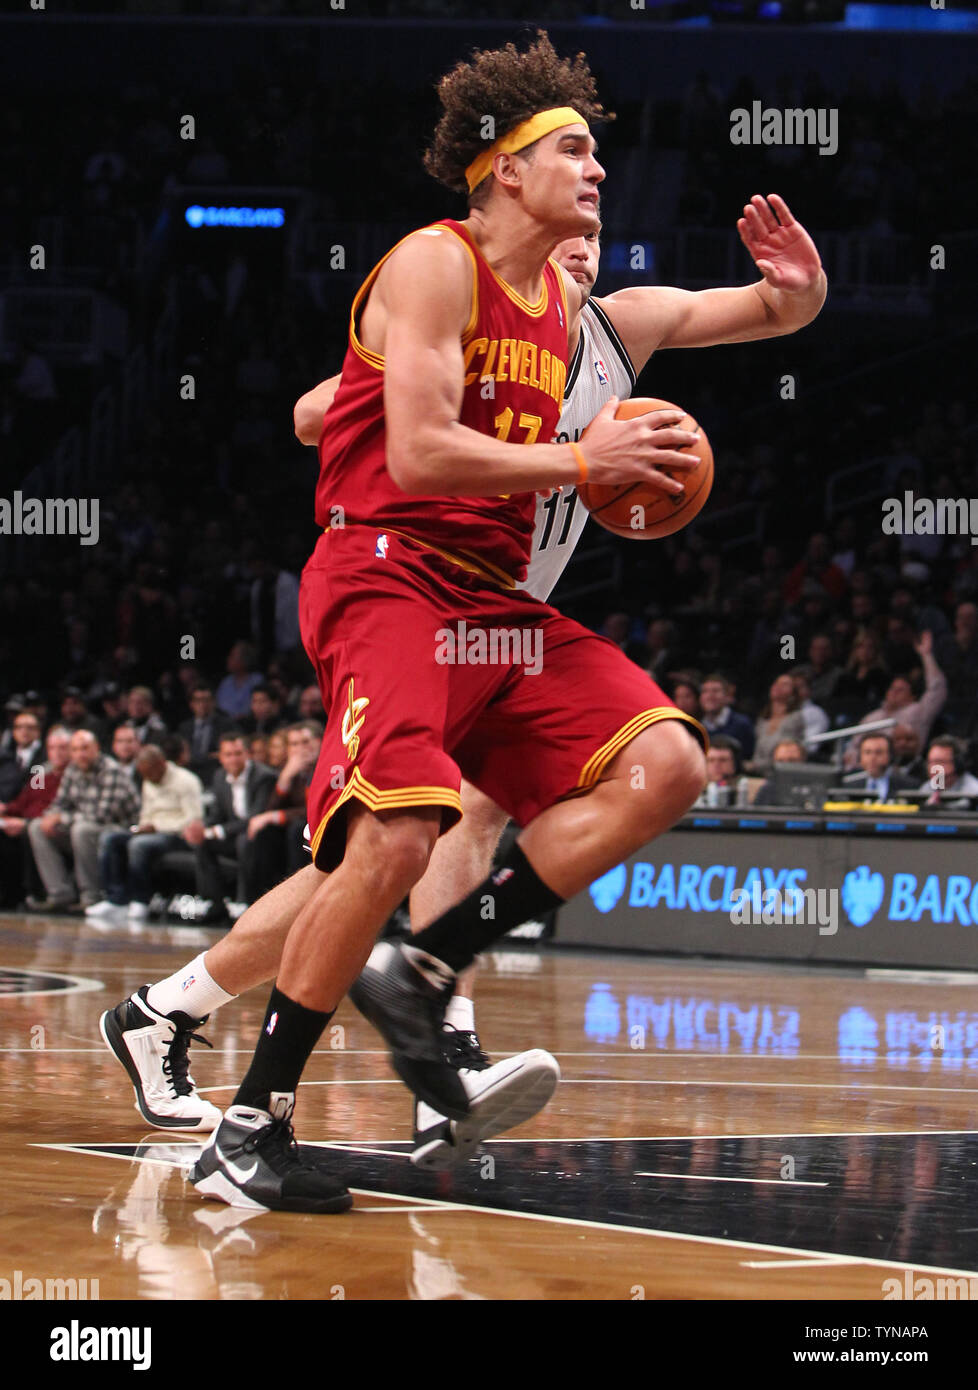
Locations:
{"points": [[766, 1020]]}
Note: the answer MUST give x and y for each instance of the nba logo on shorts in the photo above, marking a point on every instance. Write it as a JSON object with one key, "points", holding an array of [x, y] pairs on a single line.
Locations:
{"points": [[602, 371], [381, 551]]}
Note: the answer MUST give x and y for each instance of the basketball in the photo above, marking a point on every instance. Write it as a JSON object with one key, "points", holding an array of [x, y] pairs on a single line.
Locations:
{"points": [[640, 511]]}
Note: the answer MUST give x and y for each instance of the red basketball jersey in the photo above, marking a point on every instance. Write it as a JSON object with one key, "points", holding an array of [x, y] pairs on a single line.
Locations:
{"points": [[522, 349]]}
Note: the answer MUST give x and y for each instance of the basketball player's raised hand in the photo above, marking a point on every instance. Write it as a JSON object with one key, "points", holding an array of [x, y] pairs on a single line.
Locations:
{"points": [[783, 251]]}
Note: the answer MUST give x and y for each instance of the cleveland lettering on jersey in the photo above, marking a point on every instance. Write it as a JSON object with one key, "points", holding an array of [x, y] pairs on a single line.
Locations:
{"points": [[514, 359]]}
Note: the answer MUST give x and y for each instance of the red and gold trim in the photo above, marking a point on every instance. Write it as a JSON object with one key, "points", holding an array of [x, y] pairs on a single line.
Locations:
{"points": [[465, 560], [375, 359], [375, 800], [598, 761]]}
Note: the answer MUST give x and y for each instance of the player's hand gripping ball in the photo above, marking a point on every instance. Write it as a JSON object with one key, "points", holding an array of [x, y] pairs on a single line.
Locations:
{"points": [[641, 511]]}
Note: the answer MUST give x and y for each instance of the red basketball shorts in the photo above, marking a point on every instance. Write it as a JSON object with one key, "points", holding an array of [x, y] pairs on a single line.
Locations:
{"points": [[429, 674]]}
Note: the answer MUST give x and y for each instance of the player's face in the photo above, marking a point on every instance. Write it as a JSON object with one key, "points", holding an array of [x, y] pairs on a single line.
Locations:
{"points": [[561, 181], [580, 256]]}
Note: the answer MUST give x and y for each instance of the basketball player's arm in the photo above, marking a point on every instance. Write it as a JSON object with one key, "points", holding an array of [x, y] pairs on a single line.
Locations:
{"points": [[649, 318], [417, 313], [308, 411]]}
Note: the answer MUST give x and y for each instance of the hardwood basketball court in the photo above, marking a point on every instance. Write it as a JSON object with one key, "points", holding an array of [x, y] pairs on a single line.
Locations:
{"points": [[747, 1132]]}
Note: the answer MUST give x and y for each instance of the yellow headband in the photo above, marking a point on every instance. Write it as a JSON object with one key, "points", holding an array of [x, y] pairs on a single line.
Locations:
{"points": [[522, 135]]}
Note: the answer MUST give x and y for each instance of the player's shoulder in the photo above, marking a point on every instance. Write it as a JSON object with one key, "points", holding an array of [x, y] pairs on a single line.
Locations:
{"points": [[435, 248]]}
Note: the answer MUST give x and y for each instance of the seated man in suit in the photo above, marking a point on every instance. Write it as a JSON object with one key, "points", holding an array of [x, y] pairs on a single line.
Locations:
{"points": [[24, 751], [242, 789], [203, 732], [878, 775]]}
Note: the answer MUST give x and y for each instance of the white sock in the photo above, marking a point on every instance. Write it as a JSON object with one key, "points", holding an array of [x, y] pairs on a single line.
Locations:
{"points": [[460, 1014], [191, 990]]}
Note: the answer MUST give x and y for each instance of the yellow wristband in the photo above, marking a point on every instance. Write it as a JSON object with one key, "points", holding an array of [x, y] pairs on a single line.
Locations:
{"points": [[581, 463]]}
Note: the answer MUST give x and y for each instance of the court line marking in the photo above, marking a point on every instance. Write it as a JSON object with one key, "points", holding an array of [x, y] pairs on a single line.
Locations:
{"points": [[666, 1138], [792, 1251], [643, 1053], [703, 1177], [618, 1081], [802, 1264], [78, 984]]}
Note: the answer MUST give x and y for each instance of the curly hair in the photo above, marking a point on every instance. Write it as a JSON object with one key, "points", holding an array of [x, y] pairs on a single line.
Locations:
{"points": [[509, 87]]}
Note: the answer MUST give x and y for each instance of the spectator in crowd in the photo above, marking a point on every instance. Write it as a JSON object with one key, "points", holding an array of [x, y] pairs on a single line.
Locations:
{"points": [[865, 678], [824, 672], [258, 748], [274, 609], [899, 701], [719, 717], [310, 704], [171, 799], [74, 713], [234, 692], [95, 795], [25, 750], [275, 836], [660, 651], [818, 569], [113, 706], [725, 786], [781, 719], [203, 731], [686, 694], [617, 628], [176, 750], [788, 750], [242, 789], [266, 711], [17, 872], [877, 775], [957, 655], [948, 785], [906, 751], [125, 750], [816, 720], [277, 748], [142, 716]]}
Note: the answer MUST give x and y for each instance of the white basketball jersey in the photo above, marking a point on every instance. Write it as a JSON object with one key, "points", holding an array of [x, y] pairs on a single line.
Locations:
{"points": [[601, 369]]}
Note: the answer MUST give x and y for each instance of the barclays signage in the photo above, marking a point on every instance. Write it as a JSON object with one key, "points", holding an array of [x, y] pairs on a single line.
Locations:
{"points": [[709, 893], [694, 887]]}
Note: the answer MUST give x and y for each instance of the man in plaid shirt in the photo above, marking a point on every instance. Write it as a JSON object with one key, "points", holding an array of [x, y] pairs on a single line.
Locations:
{"points": [[96, 795]]}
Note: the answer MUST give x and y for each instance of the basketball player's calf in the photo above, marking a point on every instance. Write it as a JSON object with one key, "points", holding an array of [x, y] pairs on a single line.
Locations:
{"points": [[511, 1091], [651, 783], [252, 1160], [150, 1032]]}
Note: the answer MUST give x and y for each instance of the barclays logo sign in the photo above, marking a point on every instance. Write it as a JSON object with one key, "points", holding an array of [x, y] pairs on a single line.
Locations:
{"points": [[607, 890], [862, 894], [866, 893]]}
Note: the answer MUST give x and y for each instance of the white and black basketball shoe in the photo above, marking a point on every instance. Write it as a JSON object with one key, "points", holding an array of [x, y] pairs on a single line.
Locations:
{"points": [[154, 1049], [500, 1096], [404, 991], [253, 1161]]}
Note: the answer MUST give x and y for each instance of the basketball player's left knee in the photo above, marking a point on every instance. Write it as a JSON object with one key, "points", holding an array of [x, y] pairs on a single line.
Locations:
{"points": [[668, 765]]}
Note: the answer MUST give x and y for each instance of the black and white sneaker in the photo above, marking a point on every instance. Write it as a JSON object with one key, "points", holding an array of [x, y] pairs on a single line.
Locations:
{"points": [[252, 1161], [154, 1049], [500, 1096], [404, 993]]}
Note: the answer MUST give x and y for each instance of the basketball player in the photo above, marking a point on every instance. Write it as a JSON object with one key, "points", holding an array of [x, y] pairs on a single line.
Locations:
{"points": [[378, 838]]}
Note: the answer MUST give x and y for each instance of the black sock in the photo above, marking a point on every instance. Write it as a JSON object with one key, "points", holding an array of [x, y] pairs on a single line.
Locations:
{"points": [[512, 894], [288, 1035]]}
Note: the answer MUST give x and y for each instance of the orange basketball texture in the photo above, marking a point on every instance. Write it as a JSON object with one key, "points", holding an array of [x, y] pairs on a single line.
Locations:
{"points": [[611, 503]]}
